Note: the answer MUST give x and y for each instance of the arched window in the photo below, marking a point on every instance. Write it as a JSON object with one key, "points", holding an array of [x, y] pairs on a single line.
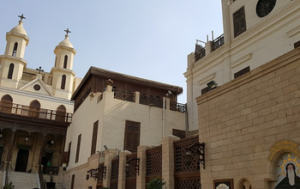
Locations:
{"points": [[15, 49], [34, 108], [63, 82], [60, 113], [10, 71], [6, 104], [65, 61]]}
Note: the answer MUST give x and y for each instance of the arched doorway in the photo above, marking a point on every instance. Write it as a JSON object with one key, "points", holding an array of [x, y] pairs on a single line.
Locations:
{"points": [[6, 104], [34, 108], [60, 113], [22, 160]]}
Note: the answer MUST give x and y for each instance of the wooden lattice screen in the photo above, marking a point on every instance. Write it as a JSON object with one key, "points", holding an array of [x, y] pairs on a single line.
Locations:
{"points": [[154, 163], [101, 173], [131, 175], [114, 174], [186, 176]]}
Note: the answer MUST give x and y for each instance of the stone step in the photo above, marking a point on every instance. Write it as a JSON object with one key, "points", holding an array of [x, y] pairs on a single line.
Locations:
{"points": [[23, 180]]}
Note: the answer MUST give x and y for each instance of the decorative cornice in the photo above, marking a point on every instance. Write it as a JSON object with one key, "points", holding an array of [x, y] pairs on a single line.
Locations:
{"points": [[273, 65]]}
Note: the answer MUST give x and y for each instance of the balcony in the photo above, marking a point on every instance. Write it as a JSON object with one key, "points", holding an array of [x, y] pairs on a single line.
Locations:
{"points": [[39, 113]]}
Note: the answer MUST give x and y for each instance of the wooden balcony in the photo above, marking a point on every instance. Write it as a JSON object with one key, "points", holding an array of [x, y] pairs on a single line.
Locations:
{"points": [[32, 112]]}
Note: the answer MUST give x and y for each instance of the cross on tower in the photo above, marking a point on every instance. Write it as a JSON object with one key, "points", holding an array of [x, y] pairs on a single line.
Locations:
{"points": [[40, 70], [67, 31], [21, 17]]}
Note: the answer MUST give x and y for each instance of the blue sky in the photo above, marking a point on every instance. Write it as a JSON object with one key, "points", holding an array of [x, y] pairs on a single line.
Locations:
{"points": [[144, 38]]}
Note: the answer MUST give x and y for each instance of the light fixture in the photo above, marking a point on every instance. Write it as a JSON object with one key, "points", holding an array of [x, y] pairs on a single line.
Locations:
{"points": [[94, 173], [197, 148], [169, 93], [26, 139], [50, 143], [132, 162], [212, 85]]}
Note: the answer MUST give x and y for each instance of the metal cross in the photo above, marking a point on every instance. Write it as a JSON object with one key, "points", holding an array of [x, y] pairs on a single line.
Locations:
{"points": [[67, 31], [21, 17], [40, 70]]}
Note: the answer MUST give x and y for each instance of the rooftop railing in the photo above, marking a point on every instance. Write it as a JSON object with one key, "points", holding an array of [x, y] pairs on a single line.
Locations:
{"points": [[27, 111], [218, 42]]}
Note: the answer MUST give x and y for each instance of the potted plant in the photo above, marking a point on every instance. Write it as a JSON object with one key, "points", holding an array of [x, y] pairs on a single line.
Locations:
{"points": [[9, 186], [155, 184]]}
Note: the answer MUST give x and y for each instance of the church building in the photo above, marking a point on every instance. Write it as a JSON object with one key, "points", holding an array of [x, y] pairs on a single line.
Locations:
{"points": [[35, 111]]}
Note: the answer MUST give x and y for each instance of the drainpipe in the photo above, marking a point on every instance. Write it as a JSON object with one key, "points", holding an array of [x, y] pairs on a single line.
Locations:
{"points": [[163, 117]]}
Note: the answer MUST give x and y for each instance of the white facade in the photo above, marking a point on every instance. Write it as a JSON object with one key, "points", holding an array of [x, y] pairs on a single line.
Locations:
{"points": [[264, 39], [112, 114]]}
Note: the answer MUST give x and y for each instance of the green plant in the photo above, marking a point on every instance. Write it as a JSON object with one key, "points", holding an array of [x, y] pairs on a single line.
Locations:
{"points": [[155, 184], [104, 187], [9, 186]]}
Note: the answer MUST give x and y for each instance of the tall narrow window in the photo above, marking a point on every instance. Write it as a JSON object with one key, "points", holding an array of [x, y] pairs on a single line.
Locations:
{"points": [[15, 49], [78, 148], [132, 136], [6, 104], [10, 71], [66, 61], [239, 22], [34, 108], [63, 82], [69, 153], [72, 181], [94, 138]]}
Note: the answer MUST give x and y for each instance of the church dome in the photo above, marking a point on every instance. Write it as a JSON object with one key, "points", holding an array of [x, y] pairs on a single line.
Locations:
{"points": [[19, 29], [66, 42]]}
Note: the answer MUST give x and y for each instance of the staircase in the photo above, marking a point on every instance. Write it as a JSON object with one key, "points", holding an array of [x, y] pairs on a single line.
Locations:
{"points": [[23, 180]]}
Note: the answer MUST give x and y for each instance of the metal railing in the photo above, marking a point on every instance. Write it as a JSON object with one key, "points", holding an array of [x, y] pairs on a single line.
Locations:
{"points": [[175, 106], [41, 178], [199, 52], [218, 42], [22, 110]]}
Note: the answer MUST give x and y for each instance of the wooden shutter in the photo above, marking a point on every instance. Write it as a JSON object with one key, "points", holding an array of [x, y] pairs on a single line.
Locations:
{"points": [[178, 133], [69, 153], [78, 148], [94, 138], [72, 182], [239, 21], [132, 136]]}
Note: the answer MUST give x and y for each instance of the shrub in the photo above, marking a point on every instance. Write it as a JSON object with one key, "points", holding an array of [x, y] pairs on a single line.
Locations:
{"points": [[155, 184]]}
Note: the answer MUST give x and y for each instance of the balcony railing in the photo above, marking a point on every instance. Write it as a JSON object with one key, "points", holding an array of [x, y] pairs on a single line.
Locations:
{"points": [[218, 42], [27, 111], [177, 107], [199, 52], [124, 95], [157, 102]]}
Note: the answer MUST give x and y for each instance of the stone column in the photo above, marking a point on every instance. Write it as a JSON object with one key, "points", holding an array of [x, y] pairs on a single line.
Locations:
{"points": [[141, 177], [122, 172], [168, 161], [39, 166], [137, 97], [109, 155], [8, 158]]}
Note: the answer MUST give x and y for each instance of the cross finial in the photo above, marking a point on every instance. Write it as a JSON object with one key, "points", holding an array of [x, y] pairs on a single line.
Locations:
{"points": [[40, 70], [21, 17], [67, 31]]}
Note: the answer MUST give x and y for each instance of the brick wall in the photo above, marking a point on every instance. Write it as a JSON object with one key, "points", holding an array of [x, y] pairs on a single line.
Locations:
{"points": [[241, 120]]}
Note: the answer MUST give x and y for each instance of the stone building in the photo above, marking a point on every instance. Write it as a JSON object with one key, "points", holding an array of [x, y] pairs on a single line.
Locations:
{"points": [[250, 121], [35, 111], [115, 114]]}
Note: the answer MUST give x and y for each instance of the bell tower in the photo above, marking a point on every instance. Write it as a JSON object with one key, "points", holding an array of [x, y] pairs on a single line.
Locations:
{"points": [[63, 75], [12, 62]]}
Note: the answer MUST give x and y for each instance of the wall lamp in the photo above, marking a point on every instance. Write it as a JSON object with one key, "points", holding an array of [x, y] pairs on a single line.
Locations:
{"points": [[197, 148], [132, 162], [94, 173], [212, 85], [50, 143]]}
